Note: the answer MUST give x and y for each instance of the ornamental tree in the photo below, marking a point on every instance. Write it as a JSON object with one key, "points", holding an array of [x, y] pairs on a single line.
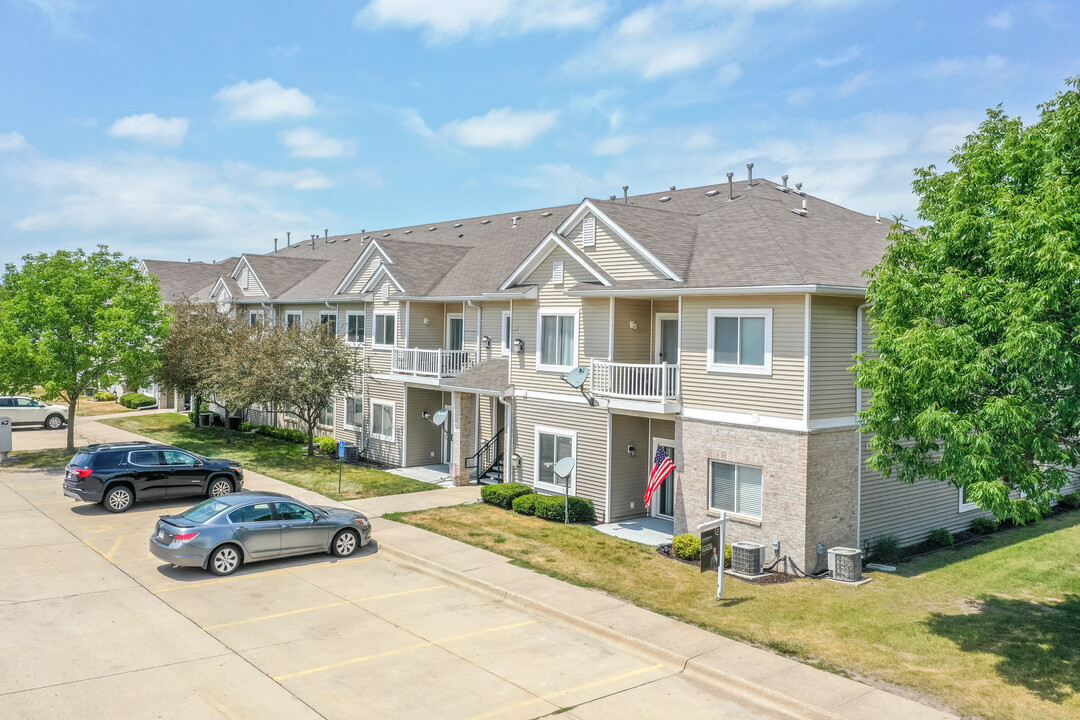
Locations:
{"points": [[72, 322], [974, 369]]}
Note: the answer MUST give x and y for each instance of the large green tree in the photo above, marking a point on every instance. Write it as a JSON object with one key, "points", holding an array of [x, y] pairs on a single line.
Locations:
{"points": [[72, 322], [974, 370]]}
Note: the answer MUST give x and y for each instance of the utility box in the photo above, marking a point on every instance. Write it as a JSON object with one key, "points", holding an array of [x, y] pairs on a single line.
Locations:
{"points": [[845, 564], [747, 558], [352, 452], [5, 437]]}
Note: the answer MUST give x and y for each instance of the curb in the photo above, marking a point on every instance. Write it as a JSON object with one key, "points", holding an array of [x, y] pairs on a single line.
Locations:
{"points": [[733, 685]]}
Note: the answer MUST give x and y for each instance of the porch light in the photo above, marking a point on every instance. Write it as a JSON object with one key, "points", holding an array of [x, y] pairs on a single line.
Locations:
{"points": [[633, 324], [630, 450], [518, 345], [426, 321], [485, 341]]}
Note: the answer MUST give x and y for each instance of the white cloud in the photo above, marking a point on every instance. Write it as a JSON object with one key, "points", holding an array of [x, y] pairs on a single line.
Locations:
{"points": [[60, 14], [800, 96], [728, 74], [966, 66], [264, 100], [416, 124], [309, 143], [501, 127], [284, 51], [556, 180], [307, 179], [855, 83], [150, 128], [1001, 20], [614, 145], [843, 58], [450, 20], [12, 142]]}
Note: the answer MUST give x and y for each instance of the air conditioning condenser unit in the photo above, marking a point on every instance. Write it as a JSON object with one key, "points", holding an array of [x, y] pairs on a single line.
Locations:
{"points": [[845, 564], [747, 558]]}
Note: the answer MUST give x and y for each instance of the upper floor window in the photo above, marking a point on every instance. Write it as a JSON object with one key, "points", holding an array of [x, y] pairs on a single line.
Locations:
{"points": [[385, 327], [506, 330], [293, 318], [557, 340], [329, 320], [355, 327], [740, 341]]}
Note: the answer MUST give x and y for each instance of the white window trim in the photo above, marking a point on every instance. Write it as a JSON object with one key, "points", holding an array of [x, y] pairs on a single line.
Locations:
{"points": [[964, 506], [380, 314], [714, 313], [540, 314], [351, 314], [393, 419], [446, 332], [505, 339], [358, 397], [260, 317], [550, 487], [298, 314], [732, 513]]}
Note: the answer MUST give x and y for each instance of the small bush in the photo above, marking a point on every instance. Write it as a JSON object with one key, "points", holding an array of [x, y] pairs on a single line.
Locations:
{"points": [[326, 444], [551, 507], [104, 395], [136, 400], [941, 538], [887, 549], [525, 504], [246, 427], [286, 434], [503, 494], [984, 525], [687, 546], [1071, 501]]}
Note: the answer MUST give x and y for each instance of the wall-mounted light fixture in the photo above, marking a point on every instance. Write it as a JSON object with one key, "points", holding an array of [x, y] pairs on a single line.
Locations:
{"points": [[426, 415], [426, 321], [485, 341], [630, 450], [633, 324], [518, 345]]}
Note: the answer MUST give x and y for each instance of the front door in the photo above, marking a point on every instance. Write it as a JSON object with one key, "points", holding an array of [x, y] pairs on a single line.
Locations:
{"points": [[667, 338], [663, 501], [455, 332]]}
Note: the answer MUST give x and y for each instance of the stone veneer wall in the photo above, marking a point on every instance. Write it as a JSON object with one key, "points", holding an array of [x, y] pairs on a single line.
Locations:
{"points": [[832, 501]]}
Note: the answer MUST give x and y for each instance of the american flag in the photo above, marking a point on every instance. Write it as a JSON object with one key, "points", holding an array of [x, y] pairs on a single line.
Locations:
{"points": [[661, 468]]}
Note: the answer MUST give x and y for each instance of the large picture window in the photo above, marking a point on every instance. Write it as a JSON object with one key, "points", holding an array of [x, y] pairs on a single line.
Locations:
{"points": [[552, 446], [735, 488], [740, 341], [557, 341], [385, 327], [354, 327], [382, 420]]}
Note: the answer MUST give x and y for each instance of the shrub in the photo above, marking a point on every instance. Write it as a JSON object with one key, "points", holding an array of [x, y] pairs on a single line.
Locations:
{"points": [[984, 525], [1071, 501], [246, 427], [687, 546], [551, 507], [136, 400], [503, 494], [887, 549], [326, 443], [286, 434], [104, 395], [941, 538], [525, 504]]}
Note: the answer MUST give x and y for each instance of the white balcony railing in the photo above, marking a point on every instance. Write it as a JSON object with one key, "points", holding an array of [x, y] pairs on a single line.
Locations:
{"points": [[635, 381], [431, 363]]}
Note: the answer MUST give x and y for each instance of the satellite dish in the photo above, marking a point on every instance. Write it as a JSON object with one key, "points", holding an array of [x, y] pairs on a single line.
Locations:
{"points": [[576, 377], [564, 467], [440, 417]]}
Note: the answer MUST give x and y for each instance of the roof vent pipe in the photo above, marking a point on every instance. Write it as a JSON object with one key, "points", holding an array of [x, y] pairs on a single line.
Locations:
{"points": [[804, 204], [798, 186], [326, 235], [288, 239], [730, 189], [784, 178], [625, 197], [749, 175], [275, 244], [611, 198], [515, 218], [671, 188], [313, 236], [878, 219]]}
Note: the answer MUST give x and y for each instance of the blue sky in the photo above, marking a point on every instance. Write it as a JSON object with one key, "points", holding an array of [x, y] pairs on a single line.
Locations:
{"points": [[201, 130]]}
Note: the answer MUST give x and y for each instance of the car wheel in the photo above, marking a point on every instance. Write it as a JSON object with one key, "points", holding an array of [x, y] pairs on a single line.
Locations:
{"points": [[225, 560], [219, 487], [118, 498], [54, 422], [345, 543]]}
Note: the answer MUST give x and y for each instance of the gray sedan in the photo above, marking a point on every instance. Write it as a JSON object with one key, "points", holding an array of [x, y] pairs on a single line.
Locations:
{"points": [[221, 533]]}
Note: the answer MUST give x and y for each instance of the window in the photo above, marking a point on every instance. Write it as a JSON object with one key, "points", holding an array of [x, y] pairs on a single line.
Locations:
{"points": [[740, 341], [326, 415], [588, 232], [354, 327], [965, 503], [259, 512], [354, 412], [382, 420], [557, 340], [173, 457], [145, 457], [385, 324], [329, 320], [455, 332], [293, 318], [735, 488], [255, 317], [551, 447], [292, 511], [506, 330]]}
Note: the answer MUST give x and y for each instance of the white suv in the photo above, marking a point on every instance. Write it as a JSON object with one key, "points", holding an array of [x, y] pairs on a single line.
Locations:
{"points": [[27, 411]]}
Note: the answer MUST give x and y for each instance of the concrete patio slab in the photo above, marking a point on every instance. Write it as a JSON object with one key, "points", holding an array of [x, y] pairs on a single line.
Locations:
{"points": [[646, 530]]}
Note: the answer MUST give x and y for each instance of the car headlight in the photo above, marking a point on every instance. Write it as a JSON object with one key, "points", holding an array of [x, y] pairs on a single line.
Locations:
{"points": [[362, 522]]}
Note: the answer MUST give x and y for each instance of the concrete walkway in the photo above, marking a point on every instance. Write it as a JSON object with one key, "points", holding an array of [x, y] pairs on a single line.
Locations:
{"points": [[756, 674]]}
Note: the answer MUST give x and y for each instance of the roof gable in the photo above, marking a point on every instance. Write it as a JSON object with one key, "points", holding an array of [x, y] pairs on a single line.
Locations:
{"points": [[548, 245], [383, 273], [360, 264], [246, 277], [586, 207]]}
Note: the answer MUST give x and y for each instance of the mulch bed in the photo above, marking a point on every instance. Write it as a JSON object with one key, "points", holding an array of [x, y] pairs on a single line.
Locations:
{"points": [[769, 578]]}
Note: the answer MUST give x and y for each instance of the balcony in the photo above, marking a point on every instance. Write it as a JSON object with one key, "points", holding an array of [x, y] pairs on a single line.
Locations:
{"points": [[655, 383], [431, 363]]}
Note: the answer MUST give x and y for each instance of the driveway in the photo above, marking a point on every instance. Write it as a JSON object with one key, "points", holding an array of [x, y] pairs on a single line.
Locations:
{"points": [[91, 624]]}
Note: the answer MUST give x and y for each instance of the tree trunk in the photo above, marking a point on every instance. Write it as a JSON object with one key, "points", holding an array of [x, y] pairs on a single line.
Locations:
{"points": [[310, 439], [73, 400], [198, 410], [228, 426]]}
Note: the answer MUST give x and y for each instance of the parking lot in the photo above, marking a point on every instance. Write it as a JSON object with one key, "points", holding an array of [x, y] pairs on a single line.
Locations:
{"points": [[91, 623]]}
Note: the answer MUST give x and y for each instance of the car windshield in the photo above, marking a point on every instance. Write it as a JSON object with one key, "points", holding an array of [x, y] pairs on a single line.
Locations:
{"points": [[204, 510]]}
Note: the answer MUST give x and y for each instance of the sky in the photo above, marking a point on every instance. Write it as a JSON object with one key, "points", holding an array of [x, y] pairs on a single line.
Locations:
{"points": [[176, 130]]}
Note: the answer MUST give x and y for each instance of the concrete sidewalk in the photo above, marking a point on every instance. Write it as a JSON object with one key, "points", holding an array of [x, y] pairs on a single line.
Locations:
{"points": [[756, 674]]}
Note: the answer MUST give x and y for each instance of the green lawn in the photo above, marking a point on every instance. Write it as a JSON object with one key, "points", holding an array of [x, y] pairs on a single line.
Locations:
{"points": [[991, 629], [278, 459]]}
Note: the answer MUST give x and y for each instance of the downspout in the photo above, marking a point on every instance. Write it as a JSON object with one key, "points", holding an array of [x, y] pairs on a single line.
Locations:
{"points": [[273, 314], [858, 432], [508, 455], [479, 325]]}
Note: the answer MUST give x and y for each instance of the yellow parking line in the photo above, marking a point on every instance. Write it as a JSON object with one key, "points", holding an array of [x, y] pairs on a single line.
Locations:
{"points": [[252, 575], [116, 546], [320, 607], [407, 648]]}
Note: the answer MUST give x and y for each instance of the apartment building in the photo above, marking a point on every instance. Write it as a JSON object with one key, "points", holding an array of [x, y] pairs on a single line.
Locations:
{"points": [[717, 322]]}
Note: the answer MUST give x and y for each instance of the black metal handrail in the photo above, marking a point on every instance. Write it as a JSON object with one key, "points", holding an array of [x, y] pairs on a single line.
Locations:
{"points": [[486, 457]]}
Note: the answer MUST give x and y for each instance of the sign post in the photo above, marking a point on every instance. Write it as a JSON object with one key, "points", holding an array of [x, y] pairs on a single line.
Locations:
{"points": [[712, 549], [341, 462]]}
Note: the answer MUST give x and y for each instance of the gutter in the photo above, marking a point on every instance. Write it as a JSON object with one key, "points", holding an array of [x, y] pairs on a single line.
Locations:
{"points": [[726, 290]]}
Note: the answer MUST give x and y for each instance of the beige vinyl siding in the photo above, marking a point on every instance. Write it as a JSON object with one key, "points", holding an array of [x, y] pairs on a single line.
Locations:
{"points": [[384, 451], [590, 424], [379, 360], [593, 333], [472, 320], [633, 346], [779, 394], [492, 327], [253, 287], [430, 336], [613, 254], [832, 347], [423, 444], [366, 272], [666, 305], [486, 409], [629, 473]]}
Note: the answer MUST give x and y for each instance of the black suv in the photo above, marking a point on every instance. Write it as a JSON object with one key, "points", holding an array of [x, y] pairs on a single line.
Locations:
{"points": [[118, 474]]}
